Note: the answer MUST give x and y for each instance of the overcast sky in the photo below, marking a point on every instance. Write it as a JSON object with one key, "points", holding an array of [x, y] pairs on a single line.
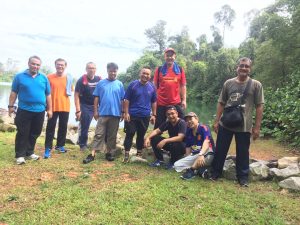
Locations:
{"points": [[103, 31]]}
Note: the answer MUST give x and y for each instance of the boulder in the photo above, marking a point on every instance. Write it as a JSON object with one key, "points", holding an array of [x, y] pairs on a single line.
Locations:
{"points": [[280, 174], [259, 171], [137, 159], [286, 161], [7, 127], [292, 183], [229, 170]]}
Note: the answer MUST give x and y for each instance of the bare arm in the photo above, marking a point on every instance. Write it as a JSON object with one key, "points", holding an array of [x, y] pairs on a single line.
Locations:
{"points": [[126, 110], [220, 109], [77, 105], [258, 119], [12, 99], [183, 96], [49, 106], [96, 103], [153, 116], [165, 141]]}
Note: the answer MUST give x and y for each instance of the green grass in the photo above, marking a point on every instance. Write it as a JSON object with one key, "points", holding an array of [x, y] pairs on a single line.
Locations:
{"points": [[61, 190]]}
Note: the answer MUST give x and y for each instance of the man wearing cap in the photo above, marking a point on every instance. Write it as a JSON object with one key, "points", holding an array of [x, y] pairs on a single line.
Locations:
{"points": [[170, 82], [231, 94], [176, 128], [199, 149]]}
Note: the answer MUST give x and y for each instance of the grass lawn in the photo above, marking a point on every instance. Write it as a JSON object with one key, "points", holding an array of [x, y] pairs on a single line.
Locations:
{"points": [[61, 190]]}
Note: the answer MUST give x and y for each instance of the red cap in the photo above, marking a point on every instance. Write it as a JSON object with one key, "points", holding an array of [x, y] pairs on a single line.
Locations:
{"points": [[170, 50]]}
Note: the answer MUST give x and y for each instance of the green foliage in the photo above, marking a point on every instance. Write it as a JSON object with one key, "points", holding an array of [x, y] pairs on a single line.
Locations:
{"points": [[282, 110]]}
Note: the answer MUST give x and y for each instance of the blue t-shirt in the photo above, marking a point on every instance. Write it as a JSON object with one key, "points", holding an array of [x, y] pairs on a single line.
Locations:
{"points": [[140, 97], [196, 142], [110, 93], [85, 87], [31, 91]]}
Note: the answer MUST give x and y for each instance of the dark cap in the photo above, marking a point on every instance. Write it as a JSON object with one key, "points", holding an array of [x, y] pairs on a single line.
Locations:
{"points": [[191, 114], [170, 50], [170, 107]]}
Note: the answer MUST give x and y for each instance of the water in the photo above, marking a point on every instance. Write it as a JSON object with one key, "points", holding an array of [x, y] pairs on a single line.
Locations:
{"points": [[204, 112]]}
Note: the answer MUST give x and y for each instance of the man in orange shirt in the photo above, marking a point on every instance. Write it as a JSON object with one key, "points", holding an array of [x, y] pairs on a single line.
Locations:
{"points": [[61, 88]]}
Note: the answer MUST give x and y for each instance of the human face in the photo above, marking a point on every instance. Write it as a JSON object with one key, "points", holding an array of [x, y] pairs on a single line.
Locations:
{"points": [[91, 70], [172, 116], [34, 66], [170, 57], [192, 122], [60, 67], [112, 73], [145, 75], [243, 70]]}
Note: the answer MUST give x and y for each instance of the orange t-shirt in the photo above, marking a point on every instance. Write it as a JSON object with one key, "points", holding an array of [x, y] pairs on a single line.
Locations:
{"points": [[60, 99]]}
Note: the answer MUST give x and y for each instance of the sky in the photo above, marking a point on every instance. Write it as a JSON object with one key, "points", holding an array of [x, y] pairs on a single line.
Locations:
{"points": [[81, 31]]}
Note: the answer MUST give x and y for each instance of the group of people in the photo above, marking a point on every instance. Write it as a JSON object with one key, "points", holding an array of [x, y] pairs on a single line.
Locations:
{"points": [[162, 102]]}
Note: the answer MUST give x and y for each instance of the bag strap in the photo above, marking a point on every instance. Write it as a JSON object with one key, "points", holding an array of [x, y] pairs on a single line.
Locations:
{"points": [[246, 91]]}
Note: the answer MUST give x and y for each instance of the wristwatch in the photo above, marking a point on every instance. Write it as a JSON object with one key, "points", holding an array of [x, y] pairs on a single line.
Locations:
{"points": [[10, 106]]}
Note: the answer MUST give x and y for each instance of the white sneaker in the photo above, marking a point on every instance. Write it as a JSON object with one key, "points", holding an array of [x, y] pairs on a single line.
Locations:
{"points": [[20, 161], [34, 157]]}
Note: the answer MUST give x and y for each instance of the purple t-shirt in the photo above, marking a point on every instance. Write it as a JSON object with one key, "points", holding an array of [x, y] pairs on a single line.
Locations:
{"points": [[140, 97]]}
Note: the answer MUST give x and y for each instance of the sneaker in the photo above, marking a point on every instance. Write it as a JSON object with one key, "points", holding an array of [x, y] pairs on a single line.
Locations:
{"points": [[205, 174], [88, 159], [34, 157], [169, 166], [47, 153], [243, 183], [61, 149], [83, 148], [109, 157], [20, 161], [189, 174], [156, 163]]}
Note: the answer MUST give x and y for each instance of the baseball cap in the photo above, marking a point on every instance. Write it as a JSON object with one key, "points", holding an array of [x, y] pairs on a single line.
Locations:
{"points": [[170, 50], [191, 114]]}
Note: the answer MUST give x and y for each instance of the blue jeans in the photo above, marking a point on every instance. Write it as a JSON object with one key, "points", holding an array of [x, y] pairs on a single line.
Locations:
{"points": [[87, 113], [224, 139]]}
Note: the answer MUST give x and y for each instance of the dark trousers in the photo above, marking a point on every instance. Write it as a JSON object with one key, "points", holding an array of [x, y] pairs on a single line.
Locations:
{"points": [[161, 114], [176, 149], [87, 113], [29, 127], [138, 125], [224, 139], [63, 118]]}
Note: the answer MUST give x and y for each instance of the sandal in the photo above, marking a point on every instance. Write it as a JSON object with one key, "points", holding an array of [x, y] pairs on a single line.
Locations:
{"points": [[126, 158]]}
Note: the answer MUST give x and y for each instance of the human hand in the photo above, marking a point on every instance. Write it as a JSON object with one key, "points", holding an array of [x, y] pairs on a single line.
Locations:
{"points": [[200, 161], [146, 142], [152, 119], [96, 115], [49, 114], [11, 111], [126, 117], [183, 104], [78, 115], [255, 133], [161, 144], [216, 126]]}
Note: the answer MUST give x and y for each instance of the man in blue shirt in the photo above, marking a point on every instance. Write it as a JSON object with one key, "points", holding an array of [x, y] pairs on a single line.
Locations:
{"points": [[140, 99], [84, 102], [108, 104], [199, 149], [33, 92]]}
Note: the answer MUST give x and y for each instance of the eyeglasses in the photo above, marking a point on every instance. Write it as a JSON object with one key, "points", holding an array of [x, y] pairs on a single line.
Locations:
{"points": [[244, 66]]}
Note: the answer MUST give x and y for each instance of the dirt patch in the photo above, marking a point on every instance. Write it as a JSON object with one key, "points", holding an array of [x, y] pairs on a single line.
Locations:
{"points": [[47, 176], [72, 174]]}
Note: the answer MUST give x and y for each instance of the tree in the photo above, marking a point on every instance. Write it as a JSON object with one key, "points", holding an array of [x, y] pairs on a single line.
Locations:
{"points": [[156, 36], [226, 16]]}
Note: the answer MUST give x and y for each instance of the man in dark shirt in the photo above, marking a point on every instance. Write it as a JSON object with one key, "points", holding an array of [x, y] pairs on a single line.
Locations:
{"points": [[176, 128], [84, 102]]}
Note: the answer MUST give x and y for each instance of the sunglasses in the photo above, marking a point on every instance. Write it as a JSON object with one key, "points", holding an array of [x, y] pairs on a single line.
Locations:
{"points": [[244, 66]]}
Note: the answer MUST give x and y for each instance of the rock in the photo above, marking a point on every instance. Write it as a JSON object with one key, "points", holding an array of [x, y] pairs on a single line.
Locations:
{"points": [[292, 183], [286, 161], [259, 171], [137, 159], [272, 164], [280, 174], [229, 170], [7, 127]]}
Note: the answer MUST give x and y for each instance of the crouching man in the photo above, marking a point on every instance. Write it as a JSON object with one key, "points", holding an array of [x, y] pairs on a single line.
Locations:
{"points": [[199, 149], [176, 128]]}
